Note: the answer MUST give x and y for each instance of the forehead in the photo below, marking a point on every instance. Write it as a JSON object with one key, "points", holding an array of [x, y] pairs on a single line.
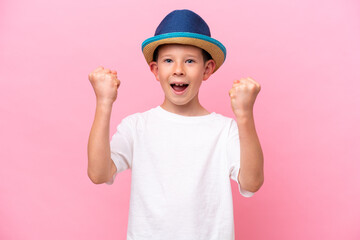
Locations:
{"points": [[179, 48]]}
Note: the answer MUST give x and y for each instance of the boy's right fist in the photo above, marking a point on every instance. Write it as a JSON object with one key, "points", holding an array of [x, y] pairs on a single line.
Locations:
{"points": [[105, 84]]}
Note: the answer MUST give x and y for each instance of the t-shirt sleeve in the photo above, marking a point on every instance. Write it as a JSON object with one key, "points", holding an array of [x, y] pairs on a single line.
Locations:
{"points": [[121, 146], [233, 156]]}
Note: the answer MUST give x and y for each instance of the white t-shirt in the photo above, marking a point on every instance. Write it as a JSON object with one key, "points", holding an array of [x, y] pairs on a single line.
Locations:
{"points": [[181, 168]]}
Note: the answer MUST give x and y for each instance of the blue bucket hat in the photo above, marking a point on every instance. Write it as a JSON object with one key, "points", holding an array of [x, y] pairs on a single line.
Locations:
{"points": [[184, 27]]}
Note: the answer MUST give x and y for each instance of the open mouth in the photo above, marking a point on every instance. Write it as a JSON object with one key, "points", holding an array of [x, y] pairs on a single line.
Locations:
{"points": [[179, 87]]}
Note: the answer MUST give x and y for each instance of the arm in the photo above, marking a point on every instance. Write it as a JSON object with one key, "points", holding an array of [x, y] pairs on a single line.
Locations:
{"points": [[243, 95], [99, 159], [100, 166], [251, 176]]}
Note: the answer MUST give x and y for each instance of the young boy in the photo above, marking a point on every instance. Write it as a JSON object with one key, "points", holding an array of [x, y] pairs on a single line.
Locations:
{"points": [[181, 156]]}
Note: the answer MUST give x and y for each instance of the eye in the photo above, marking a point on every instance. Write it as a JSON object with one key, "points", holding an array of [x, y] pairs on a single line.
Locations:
{"points": [[190, 61], [167, 60]]}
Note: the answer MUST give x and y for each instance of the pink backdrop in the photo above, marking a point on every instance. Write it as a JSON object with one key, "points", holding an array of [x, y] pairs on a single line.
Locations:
{"points": [[303, 53]]}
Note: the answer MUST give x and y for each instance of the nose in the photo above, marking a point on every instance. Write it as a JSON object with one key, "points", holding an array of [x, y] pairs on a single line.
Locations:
{"points": [[178, 69]]}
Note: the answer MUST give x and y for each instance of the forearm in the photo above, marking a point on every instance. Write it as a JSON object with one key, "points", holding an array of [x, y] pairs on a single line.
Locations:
{"points": [[251, 175], [99, 157]]}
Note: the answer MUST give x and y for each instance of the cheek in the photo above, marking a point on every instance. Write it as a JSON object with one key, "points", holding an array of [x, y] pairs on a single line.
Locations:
{"points": [[196, 86], [164, 83], [162, 73], [199, 72]]}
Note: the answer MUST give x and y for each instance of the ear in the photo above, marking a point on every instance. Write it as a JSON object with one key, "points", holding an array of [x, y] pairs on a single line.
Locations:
{"points": [[154, 69], [209, 69]]}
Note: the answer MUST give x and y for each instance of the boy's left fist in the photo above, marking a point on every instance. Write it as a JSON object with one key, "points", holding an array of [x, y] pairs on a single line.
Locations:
{"points": [[243, 94]]}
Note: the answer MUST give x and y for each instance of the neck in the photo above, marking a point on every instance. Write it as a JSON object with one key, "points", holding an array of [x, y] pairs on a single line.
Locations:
{"points": [[192, 108]]}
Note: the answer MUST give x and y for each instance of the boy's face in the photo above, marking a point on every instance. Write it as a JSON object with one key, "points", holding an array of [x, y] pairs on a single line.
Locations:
{"points": [[180, 69]]}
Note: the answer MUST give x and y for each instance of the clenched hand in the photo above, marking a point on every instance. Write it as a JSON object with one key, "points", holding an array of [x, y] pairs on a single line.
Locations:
{"points": [[105, 84], [243, 94]]}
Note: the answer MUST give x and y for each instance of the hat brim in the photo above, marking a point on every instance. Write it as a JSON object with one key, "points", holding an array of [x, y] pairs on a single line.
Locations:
{"points": [[211, 45]]}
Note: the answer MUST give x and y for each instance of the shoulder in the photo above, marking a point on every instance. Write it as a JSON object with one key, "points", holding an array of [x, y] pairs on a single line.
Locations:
{"points": [[228, 124], [136, 118], [223, 119]]}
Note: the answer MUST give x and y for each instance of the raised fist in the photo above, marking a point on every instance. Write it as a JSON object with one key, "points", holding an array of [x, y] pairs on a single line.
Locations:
{"points": [[105, 84], [243, 94]]}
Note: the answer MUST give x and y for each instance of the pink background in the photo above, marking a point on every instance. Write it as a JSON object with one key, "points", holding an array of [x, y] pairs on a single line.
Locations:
{"points": [[303, 53]]}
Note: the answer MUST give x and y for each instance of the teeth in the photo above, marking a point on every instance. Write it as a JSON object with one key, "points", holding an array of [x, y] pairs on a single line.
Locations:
{"points": [[181, 84]]}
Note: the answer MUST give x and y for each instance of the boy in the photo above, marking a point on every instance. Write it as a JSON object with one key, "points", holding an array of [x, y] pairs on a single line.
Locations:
{"points": [[181, 155]]}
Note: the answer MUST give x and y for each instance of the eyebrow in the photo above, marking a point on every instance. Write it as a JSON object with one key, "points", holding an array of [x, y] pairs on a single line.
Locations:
{"points": [[190, 55], [186, 56], [166, 55]]}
